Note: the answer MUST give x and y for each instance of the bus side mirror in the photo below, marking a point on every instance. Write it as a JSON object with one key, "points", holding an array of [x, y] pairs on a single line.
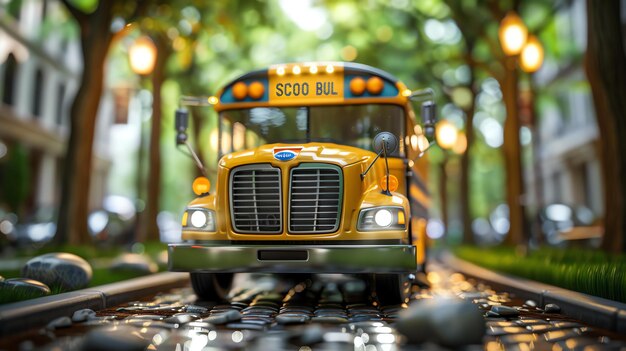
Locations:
{"points": [[181, 123], [429, 116], [385, 142]]}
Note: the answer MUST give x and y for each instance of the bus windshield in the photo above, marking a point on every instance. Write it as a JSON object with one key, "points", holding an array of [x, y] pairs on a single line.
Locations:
{"points": [[353, 125]]}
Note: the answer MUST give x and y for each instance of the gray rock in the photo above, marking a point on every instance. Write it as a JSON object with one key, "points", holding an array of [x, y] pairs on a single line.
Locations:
{"points": [[329, 319], [83, 315], [196, 309], [245, 326], [181, 318], [552, 308], [120, 338], [61, 322], [137, 263], [505, 311], [147, 317], [448, 322], [530, 303], [292, 318], [66, 270], [224, 317], [27, 287]]}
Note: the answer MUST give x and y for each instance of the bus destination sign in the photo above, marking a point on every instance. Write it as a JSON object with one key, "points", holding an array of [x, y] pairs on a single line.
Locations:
{"points": [[306, 88]]}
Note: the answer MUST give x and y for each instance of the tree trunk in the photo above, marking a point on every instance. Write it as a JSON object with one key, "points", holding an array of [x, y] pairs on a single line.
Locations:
{"points": [[468, 234], [149, 228], [74, 207], [605, 63], [512, 156]]}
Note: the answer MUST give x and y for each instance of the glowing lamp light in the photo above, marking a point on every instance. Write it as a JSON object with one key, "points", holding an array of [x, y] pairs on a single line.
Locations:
{"points": [[313, 69], [280, 71], [240, 90], [357, 86], [330, 69], [296, 69], [213, 100], [531, 57], [406, 92], [201, 186], [185, 218], [446, 134], [256, 90], [422, 143], [383, 218], [142, 55], [512, 34], [460, 145]]}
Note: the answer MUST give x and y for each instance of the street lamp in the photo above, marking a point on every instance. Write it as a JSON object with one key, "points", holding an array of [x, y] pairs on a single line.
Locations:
{"points": [[531, 57], [517, 46], [446, 134], [512, 33], [142, 55], [461, 144]]}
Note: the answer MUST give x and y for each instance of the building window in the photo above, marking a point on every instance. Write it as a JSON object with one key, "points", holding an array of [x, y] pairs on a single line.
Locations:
{"points": [[10, 68], [59, 106], [37, 94]]}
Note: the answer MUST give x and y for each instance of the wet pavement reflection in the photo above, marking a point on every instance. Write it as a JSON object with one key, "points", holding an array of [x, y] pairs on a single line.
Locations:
{"points": [[328, 312]]}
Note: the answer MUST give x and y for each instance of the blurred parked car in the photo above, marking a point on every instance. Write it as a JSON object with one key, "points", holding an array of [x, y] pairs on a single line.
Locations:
{"points": [[114, 222], [563, 225]]}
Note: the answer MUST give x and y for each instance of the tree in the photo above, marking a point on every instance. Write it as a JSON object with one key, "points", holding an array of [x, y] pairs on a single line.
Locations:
{"points": [[148, 229], [606, 71], [95, 39]]}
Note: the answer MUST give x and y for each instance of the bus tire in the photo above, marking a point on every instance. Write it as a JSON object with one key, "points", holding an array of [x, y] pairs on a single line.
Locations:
{"points": [[390, 289], [211, 286]]}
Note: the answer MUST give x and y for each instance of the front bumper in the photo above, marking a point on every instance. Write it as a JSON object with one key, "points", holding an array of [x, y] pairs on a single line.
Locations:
{"points": [[293, 259]]}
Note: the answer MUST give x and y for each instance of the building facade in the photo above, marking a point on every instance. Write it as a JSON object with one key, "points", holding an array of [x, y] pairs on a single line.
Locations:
{"points": [[40, 70]]}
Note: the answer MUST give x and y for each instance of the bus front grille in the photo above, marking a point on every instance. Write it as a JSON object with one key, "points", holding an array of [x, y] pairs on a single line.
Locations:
{"points": [[255, 199], [315, 196]]}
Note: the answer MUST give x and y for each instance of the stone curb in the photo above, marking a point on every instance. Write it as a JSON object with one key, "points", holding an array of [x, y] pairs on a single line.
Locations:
{"points": [[23, 315], [594, 310]]}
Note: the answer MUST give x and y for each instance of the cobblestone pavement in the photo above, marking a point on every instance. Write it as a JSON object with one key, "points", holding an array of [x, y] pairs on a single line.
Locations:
{"points": [[325, 313]]}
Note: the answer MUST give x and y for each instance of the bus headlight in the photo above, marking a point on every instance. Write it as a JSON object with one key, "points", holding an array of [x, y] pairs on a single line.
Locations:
{"points": [[381, 218], [200, 219]]}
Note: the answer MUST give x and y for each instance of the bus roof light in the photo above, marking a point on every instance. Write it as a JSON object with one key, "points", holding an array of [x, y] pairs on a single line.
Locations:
{"points": [[357, 86], [240, 90], [256, 90], [375, 85], [330, 69]]}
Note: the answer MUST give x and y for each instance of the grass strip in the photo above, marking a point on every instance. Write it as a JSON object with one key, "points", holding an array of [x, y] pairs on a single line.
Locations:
{"points": [[588, 271]]}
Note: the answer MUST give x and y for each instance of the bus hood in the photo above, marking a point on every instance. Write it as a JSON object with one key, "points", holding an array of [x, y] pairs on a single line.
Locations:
{"points": [[287, 154]]}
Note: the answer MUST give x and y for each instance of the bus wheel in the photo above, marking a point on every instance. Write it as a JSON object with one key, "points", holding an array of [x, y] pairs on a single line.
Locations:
{"points": [[211, 286], [390, 289]]}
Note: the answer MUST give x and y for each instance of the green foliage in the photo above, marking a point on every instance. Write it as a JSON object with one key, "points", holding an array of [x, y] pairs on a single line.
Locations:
{"points": [[87, 6], [588, 271], [15, 178]]}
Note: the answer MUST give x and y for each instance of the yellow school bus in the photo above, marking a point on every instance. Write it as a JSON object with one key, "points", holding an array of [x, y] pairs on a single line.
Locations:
{"points": [[320, 171]]}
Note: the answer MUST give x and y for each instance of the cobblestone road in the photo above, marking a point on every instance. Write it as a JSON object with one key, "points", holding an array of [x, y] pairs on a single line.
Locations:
{"points": [[325, 313]]}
